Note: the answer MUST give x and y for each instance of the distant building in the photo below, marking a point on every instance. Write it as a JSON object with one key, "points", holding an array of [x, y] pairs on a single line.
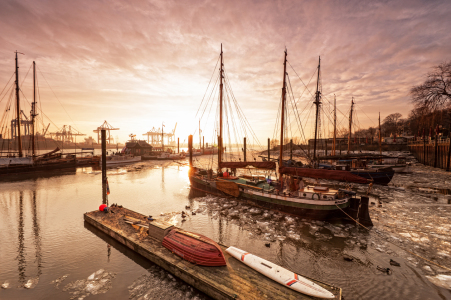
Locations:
{"points": [[137, 147]]}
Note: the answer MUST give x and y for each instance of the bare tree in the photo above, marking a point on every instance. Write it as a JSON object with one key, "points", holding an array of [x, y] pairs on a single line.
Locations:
{"points": [[435, 92]]}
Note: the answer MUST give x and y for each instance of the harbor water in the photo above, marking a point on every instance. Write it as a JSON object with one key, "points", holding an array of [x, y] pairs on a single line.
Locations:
{"points": [[47, 252]]}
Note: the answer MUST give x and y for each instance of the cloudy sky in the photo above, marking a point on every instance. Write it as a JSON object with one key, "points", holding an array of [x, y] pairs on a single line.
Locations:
{"points": [[139, 63]]}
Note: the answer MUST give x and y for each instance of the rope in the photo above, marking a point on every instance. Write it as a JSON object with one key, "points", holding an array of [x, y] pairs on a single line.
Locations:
{"points": [[438, 265]]}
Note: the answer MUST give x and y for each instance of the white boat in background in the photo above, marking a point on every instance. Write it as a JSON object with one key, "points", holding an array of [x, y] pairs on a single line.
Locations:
{"points": [[280, 275], [171, 156], [398, 164], [121, 159]]}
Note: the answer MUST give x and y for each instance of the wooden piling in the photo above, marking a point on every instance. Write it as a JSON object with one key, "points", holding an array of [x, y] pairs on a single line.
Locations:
{"points": [[190, 150], [244, 149], [269, 150], [104, 178]]}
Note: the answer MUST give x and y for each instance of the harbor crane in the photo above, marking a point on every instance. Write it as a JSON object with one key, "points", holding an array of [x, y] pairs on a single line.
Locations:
{"points": [[154, 136], [66, 134], [107, 128]]}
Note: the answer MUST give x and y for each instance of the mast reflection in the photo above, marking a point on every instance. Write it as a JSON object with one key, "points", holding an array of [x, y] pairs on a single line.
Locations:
{"points": [[21, 243]]}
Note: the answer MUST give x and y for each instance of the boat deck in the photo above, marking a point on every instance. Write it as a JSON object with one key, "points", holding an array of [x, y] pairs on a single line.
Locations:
{"points": [[234, 281]]}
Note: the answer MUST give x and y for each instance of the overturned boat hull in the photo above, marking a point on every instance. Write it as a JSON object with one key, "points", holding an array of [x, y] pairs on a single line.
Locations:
{"points": [[195, 248]]}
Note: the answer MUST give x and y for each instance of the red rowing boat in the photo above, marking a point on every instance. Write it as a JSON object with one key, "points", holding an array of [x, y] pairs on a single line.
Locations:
{"points": [[195, 248]]}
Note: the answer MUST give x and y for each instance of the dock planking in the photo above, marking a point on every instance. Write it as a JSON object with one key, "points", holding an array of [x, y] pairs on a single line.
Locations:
{"points": [[234, 281]]}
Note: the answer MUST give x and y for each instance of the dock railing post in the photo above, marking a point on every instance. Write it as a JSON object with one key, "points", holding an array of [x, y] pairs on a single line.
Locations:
{"points": [[190, 150], [104, 178]]}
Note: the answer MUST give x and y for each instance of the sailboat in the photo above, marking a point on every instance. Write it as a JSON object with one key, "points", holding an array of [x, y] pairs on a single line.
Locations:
{"points": [[358, 164], [314, 202], [15, 162]]}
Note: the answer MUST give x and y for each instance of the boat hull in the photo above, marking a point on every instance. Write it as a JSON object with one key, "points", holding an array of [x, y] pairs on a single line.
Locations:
{"points": [[194, 248], [281, 275], [39, 167], [378, 176], [328, 211], [123, 161]]}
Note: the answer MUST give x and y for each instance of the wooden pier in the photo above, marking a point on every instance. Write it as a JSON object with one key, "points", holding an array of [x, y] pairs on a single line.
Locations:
{"points": [[234, 281], [431, 153]]}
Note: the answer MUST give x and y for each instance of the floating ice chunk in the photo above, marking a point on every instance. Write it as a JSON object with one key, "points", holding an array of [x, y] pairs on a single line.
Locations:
{"points": [[58, 281], [255, 211], [289, 220], [5, 285], [441, 280], [31, 283], [294, 236], [405, 234], [95, 274]]}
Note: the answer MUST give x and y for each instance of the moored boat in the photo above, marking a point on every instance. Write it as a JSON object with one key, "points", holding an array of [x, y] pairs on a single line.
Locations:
{"points": [[286, 195], [281, 275], [195, 248], [121, 159]]}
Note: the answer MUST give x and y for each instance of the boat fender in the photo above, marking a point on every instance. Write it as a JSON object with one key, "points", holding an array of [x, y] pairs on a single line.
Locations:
{"points": [[313, 196]]}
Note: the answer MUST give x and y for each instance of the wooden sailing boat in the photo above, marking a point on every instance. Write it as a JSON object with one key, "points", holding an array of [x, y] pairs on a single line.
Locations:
{"points": [[34, 163], [310, 202]]}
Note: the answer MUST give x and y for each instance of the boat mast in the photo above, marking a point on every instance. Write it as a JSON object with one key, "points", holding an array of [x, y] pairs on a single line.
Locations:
{"points": [[19, 138], [350, 125], [33, 112], [284, 91], [335, 125], [380, 135], [220, 114], [317, 103]]}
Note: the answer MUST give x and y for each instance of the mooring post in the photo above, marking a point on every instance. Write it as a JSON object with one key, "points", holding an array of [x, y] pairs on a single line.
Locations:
{"points": [[325, 149], [449, 146], [269, 150], [190, 150], [203, 144], [244, 149], [291, 149], [178, 145], [424, 148], [104, 178], [436, 147]]}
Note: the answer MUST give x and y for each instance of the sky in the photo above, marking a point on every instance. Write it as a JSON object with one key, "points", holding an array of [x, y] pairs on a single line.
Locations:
{"points": [[139, 64]]}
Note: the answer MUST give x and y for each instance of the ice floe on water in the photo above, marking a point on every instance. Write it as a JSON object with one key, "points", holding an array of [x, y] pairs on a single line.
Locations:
{"points": [[98, 282], [441, 280], [158, 284], [31, 283], [6, 285], [59, 280]]}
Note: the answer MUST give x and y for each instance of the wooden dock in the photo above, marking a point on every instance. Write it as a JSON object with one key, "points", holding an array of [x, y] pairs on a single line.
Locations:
{"points": [[235, 281]]}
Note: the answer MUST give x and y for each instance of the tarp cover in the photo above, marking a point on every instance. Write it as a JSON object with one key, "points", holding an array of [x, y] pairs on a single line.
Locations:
{"points": [[324, 174], [244, 164]]}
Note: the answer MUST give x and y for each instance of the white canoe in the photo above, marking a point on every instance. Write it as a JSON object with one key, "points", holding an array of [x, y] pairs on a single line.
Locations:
{"points": [[280, 275]]}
